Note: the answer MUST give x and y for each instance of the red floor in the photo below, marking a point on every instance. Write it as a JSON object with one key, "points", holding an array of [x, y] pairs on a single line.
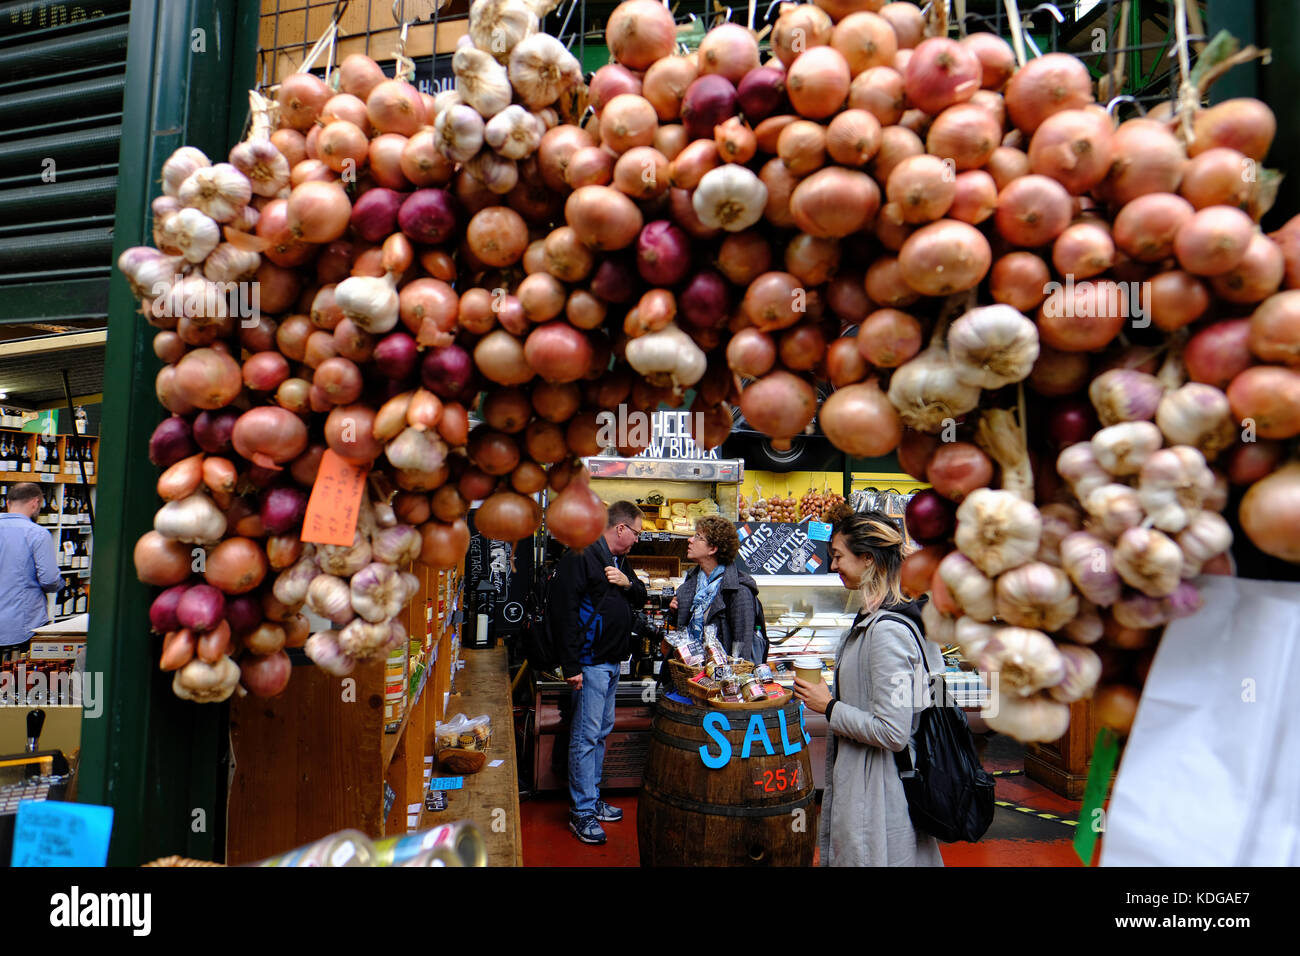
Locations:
{"points": [[1016, 838]]}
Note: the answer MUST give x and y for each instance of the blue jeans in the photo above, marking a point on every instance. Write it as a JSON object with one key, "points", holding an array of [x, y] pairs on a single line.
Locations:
{"points": [[591, 723]]}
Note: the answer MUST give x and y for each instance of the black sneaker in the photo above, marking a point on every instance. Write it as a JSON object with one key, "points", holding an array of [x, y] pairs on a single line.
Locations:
{"points": [[607, 814], [587, 830]]}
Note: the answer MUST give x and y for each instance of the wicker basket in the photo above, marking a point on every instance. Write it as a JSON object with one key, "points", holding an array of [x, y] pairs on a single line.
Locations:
{"points": [[682, 674], [170, 861]]}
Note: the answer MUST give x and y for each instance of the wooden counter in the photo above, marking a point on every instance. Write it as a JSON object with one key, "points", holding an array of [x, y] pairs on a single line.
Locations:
{"points": [[490, 798]]}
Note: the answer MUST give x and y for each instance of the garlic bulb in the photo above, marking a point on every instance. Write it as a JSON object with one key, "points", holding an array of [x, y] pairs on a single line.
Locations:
{"points": [[369, 301], [1148, 560], [970, 589], [1059, 520], [445, 101], [378, 592], [972, 637], [668, 353], [190, 233], [229, 263], [1000, 435], [345, 560], [1174, 483], [1217, 499], [396, 635], [179, 166], [330, 597], [292, 583], [195, 298], [1136, 610], [1114, 509], [1090, 563], [1037, 719], [729, 197], [1206, 536], [362, 639], [997, 530], [1079, 467], [498, 26], [1025, 661], [541, 69], [264, 165], [1184, 602], [219, 191], [498, 174], [206, 683], [194, 520], [1121, 449], [1125, 395], [1082, 671], [458, 131], [939, 627], [514, 132], [324, 651], [993, 346], [415, 450], [1036, 595], [162, 207], [1197, 415], [1087, 627], [481, 81], [927, 393]]}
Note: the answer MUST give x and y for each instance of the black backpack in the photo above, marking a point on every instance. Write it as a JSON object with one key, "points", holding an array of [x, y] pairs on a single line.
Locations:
{"points": [[949, 793], [540, 646]]}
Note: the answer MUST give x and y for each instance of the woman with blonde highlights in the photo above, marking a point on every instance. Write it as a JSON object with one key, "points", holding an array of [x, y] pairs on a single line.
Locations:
{"points": [[874, 711]]}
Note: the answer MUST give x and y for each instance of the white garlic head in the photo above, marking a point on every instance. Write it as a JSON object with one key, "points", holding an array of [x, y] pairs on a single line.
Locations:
{"points": [[1198, 415], [190, 233], [1113, 509], [481, 81], [498, 26], [993, 346], [1174, 483], [1036, 595], [1078, 465], [1121, 449], [515, 133], [997, 530], [1149, 561], [1206, 536], [179, 166], [730, 197], [458, 131], [1082, 671], [1090, 563], [1036, 719], [971, 590], [220, 191], [542, 69], [1025, 660], [926, 391], [498, 174]]}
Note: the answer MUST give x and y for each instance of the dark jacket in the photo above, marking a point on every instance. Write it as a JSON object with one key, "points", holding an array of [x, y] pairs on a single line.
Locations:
{"points": [[594, 616], [732, 610]]}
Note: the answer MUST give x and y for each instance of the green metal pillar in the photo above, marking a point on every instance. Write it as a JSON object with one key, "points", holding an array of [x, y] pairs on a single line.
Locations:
{"points": [[158, 761]]}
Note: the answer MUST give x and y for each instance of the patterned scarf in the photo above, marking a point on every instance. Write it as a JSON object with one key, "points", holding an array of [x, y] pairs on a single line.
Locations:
{"points": [[705, 592]]}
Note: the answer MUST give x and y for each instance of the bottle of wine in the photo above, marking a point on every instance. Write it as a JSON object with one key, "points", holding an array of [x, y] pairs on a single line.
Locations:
{"points": [[5, 446], [24, 458], [83, 598]]}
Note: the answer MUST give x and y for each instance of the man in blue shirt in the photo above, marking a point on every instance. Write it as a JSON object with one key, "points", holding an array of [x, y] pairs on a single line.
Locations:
{"points": [[28, 568]]}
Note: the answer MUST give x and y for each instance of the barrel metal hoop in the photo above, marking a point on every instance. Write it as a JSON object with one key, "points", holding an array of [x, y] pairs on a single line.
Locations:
{"points": [[712, 809]]}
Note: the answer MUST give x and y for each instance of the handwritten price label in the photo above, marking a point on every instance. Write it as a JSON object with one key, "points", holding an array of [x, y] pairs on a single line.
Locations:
{"points": [[779, 780], [335, 501]]}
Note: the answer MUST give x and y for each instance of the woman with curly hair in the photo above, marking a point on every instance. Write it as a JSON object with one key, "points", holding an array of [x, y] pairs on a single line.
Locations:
{"points": [[719, 592], [864, 820]]}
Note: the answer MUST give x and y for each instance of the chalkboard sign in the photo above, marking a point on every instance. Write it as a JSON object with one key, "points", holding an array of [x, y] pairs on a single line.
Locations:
{"points": [[510, 580], [772, 548]]}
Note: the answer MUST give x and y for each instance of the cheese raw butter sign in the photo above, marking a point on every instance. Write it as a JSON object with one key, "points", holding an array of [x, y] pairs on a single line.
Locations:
{"points": [[717, 724], [770, 548], [335, 501]]}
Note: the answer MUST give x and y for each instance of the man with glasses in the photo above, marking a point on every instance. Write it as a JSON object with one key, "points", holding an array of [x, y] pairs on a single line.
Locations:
{"points": [[595, 597]]}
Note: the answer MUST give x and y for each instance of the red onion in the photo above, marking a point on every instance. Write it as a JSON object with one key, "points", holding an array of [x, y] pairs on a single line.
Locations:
{"points": [[1071, 420], [941, 72], [446, 371], [611, 80], [709, 101], [282, 510], [171, 441], [162, 612], [212, 430], [663, 253], [761, 93], [428, 215], [201, 608], [1217, 353], [615, 280], [930, 516], [958, 468], [706, 301], [396, 356], [374, 214]]}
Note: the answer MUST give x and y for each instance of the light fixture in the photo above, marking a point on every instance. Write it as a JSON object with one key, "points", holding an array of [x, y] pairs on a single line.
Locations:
{"points": [[4, 394]]}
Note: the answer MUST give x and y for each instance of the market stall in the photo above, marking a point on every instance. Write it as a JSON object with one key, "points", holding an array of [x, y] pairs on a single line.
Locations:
{"points": [[714, 220]]}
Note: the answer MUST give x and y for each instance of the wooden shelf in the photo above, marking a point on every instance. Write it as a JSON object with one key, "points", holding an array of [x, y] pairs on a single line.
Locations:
{"points": [[393, 740], [483, 687], [36, 476]]}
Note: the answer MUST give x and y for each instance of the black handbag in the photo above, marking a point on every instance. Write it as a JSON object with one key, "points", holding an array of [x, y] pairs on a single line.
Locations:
{"points": [[949, 793]]}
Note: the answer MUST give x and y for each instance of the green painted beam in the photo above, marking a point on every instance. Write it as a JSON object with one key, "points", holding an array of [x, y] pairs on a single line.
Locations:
{"points": [[46, 301], [158, 761]]}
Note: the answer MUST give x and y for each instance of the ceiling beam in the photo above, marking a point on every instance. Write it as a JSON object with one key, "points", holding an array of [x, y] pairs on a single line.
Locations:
{"points": [[53, 343]]}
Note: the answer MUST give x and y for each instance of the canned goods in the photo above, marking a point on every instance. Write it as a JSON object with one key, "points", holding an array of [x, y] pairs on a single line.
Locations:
{"points": [[729, 685], [762, 673], [751, 689], [452, 844], [345, 848]]}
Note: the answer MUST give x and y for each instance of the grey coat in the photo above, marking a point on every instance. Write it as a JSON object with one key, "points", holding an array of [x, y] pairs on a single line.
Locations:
{"points": [[864, 819], [732, 610]]}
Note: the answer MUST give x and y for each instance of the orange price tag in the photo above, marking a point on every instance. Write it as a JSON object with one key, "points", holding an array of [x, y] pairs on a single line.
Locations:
{"points": [[335, 501]]}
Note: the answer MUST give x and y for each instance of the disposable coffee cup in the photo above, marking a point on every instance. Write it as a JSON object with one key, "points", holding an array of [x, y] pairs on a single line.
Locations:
{"points": [[808, 669]]}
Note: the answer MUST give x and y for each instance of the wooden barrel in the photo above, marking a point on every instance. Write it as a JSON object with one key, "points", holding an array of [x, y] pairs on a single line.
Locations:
{"points": [[727, 788]]}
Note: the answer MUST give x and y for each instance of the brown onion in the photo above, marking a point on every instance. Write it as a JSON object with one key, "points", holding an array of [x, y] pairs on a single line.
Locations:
{"points": [[444, 545], [639, 32], [887, 338], [966, 134], [301, 98], [853, 137], [751, 353], [318, 212], [774, 301], [879, 91], [1213, 241], [1057, 373], [1244, 124], [975, 197], [779, 405], [349, 432], [498, 236], [997, 59], [920, 189], [1047, 85], [1275, 329], [958, 468], [1148, 159], [1145, 229], [1176, 299], [666, 82], [556, 150], [818, 82], [394, 106], [501, 358], [160, 561], [860, 421], [940, 73], [1085, 249], [1032, 210], [729, 50], [945, 257], [1083, 316], [508, 516], [884, 284], [603, 218], [207, 378], [1020, 280], [865, 40], [557, 352], [1218, 177], [1256, 277], [743, 256], [906, 18], [897, 143], [834, 202], [1074, 147], [1268, 395], [235, 566]]}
